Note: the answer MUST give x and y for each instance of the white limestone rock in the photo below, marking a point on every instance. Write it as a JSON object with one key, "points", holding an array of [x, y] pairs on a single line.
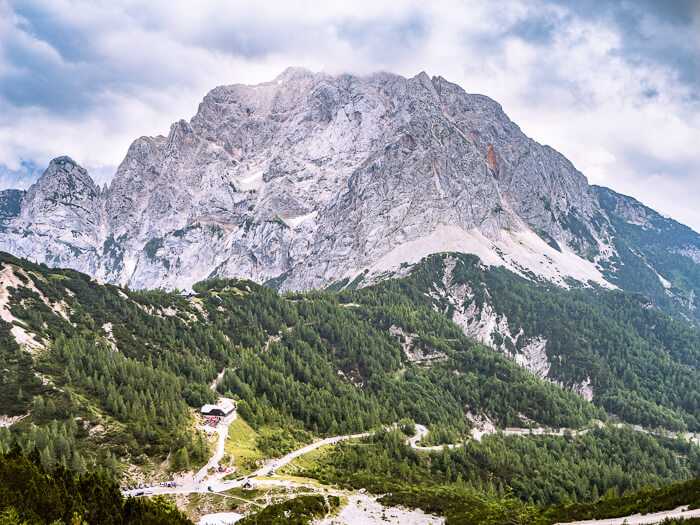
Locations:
{"points": [[310, 179]]}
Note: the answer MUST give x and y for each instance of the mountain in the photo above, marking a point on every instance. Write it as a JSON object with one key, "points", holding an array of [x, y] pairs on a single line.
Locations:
{"points": [[314, 180], [132, 361], [609, 346], [654, 255], [99, 376]]}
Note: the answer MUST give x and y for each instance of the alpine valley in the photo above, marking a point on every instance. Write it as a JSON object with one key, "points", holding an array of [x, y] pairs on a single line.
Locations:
{"points": [[420, 314]]}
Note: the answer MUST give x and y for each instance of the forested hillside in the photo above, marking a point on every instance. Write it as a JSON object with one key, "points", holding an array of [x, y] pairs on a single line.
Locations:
{"points": [[656, 256], [128, 365], [110, 377], [639, 363], [475, 483], [31, 494]]}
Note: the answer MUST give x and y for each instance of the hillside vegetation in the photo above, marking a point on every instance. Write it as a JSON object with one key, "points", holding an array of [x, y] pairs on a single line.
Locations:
{"points": [[464, 483], [111, 377], [641, 364], [116, 371], [30, 494]]}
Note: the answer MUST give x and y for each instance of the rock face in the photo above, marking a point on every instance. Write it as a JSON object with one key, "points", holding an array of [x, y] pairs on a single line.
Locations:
{"points": [[312, 179]]}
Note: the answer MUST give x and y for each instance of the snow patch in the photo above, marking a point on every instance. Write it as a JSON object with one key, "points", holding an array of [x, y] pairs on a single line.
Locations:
{"points": [[606, 250], [7, 421], [666, 284], [130, 266], [220, 518]]}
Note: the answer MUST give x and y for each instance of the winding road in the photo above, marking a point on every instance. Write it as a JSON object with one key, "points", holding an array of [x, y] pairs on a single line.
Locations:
{"points": [[477, 434], [203, 482], [274, 465], [641, 519], [214, 483]]}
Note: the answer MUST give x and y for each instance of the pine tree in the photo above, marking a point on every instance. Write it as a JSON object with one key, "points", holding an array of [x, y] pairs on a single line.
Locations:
{"points": [[47, 459]]}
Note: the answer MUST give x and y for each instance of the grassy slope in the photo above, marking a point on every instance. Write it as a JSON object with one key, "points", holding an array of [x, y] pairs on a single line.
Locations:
{"points": [[242, 447]]}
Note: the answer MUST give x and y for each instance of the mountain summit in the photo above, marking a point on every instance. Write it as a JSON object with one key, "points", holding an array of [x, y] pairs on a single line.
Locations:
{"points": [[312, 180]]}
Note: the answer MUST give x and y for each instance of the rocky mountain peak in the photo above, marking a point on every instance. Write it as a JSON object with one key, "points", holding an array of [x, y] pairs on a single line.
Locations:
{"points": [[64, 188], [292, 72], [60, 219], [66, 177], [312, 179]]}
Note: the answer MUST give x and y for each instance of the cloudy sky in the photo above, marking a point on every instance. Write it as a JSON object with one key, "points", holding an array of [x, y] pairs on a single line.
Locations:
{"points": [[614, 86]]}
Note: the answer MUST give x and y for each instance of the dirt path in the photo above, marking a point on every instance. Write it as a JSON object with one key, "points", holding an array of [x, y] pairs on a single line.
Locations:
{"points": [[218, 379], [477, 434], [642, 519], [273, 465], [421, 432], [222, 430], [194, 481], [203, 482], [214, 483]]}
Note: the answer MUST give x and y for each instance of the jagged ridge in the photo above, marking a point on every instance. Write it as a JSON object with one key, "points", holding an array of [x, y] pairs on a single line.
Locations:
{"points": [[312, 179]]}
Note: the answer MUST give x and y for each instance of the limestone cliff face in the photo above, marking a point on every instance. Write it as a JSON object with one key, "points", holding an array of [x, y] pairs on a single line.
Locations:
{"points": [[60, 219], [311, 179]]}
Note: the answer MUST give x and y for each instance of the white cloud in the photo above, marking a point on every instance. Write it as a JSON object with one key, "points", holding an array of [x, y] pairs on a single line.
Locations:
{"points": [[86, 78]]}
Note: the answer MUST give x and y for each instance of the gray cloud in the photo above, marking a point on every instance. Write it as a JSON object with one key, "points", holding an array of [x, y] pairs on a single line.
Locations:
{"points": [[20, 178], [384, 38], [656, 32]]}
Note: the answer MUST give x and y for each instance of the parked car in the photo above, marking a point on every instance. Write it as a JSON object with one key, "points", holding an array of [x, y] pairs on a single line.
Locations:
{"points": [[139, 493]]}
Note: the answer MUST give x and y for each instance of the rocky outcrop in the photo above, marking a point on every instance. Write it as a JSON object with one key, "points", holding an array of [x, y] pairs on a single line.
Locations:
{"points": [[312, 179], [654, 255], [60, 220]]}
